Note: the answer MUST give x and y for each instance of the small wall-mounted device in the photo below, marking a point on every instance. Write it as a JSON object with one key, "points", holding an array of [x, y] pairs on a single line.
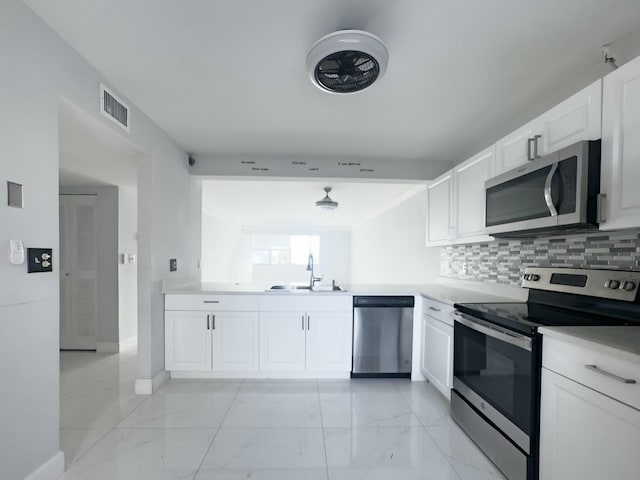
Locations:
{"points": [[16, 252], [173, 264], [14, 195], [39, 260], [192, 161]]}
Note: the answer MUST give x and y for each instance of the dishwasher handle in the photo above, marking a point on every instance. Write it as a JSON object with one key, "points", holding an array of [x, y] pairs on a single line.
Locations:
{"points": [[383, 301]]}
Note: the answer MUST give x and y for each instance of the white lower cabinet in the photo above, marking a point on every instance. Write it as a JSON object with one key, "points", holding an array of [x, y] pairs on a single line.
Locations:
{"points": [[282, 335], [282, 341], [305, 341], [589, 411], [585, 434], [211, 341], [437, 353], [187, 341], [328, 342], [235, 341]]}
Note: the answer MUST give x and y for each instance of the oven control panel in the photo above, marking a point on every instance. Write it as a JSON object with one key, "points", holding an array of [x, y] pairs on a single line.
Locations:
{"points": [[613, 284]]}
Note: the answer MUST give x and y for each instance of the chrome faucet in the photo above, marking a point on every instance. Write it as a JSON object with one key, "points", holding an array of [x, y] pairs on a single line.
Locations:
{"points": [[312, 279]]}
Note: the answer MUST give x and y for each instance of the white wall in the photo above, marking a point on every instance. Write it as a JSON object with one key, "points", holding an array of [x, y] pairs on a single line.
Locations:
{"points": [[127, 272], [389, 248], [107, 252], [226, 255], [224, 252], [37, 69]]}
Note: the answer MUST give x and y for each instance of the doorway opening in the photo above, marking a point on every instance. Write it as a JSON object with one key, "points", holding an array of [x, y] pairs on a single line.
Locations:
{"points": [[98, 194]]}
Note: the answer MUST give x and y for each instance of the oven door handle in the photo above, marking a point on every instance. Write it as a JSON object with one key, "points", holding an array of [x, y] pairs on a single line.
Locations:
{"points": [[493, 331]]}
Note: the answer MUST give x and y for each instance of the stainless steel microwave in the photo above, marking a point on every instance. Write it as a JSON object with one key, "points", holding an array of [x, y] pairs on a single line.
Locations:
{"points": [[556, 194]]}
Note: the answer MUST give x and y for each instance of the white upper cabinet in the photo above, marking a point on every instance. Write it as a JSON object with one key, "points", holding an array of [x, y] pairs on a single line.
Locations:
{"points": [[621, 147], [577, 118], [517, 148], [469, 196], [456, 203], [439, 210]]}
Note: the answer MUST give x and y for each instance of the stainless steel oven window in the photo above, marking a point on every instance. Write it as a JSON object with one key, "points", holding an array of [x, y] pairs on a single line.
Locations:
{"points": [[498, 371]]}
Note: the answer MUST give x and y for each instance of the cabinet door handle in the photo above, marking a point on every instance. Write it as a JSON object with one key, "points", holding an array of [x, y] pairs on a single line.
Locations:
{"points": [[208, 325], [529, 148], [213, 322], [600, 214], [594, 368], [211, 301], [434, 309], [308, 322], [302, 318], [535, 146]]}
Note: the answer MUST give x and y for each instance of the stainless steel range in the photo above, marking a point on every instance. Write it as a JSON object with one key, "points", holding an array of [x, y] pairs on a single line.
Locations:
{"points": [[498, 356]]}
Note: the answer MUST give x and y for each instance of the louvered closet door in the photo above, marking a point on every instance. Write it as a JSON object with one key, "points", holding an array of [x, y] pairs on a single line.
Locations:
{"points": [[78, 272]]}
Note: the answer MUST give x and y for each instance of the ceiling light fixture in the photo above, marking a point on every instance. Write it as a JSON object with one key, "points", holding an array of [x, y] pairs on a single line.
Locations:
{"points": [[326, 203], [347, 61]]}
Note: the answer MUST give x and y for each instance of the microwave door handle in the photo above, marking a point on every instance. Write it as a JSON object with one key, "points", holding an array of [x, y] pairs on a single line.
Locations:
{"points": [[548, 198]]}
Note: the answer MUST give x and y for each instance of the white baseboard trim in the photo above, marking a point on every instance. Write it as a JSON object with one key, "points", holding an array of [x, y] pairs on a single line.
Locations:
{"points": [[129, 343], [261, 375], [52, 469], [108, 347], [146, 386]]}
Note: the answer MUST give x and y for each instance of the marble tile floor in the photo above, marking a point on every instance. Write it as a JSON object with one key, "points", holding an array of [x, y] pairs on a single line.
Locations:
{"points": [[257, 430]]}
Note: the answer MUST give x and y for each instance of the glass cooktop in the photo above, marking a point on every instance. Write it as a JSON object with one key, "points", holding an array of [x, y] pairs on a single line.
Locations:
{"points": [[527, 317]]}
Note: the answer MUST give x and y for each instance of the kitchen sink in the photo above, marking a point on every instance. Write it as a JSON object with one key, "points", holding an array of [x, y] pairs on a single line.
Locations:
{"points": [[303, 288]]}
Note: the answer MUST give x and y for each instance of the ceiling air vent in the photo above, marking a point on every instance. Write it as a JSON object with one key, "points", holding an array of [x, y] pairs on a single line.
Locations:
{"points": [[114, 108]]}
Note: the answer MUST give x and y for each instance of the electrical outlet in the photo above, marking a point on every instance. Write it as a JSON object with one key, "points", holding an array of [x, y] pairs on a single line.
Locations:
{"points": [[173, 264], [39, 260]]}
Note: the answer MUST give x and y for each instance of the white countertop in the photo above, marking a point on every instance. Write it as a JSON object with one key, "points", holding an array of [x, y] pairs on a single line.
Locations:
{"points": [[437, 291], [619, 340]]}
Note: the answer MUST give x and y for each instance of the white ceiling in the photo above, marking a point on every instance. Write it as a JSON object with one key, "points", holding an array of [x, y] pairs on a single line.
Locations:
{"points": [[92, 154], [282, 204], [228, 77]]}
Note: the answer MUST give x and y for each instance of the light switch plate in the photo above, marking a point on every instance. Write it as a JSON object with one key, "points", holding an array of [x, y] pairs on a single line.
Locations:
{"points": [[16, 252], [173, 264], [14, 195]]}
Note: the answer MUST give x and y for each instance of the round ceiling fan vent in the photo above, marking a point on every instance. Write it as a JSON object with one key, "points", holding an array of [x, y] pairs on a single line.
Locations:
{"points": [[347, 61]]}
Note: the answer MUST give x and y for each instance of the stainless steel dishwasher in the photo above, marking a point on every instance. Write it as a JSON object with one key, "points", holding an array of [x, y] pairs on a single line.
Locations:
{"points": [[382, 336]]}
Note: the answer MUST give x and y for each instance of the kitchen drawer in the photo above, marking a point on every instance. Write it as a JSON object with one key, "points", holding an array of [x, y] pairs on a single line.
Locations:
{"points": [[306, 302], [571, 360], [221, 303], [438, 310]]}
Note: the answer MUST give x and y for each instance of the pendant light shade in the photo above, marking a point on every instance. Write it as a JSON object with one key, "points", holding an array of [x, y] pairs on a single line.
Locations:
{"points": [[327, 203]]}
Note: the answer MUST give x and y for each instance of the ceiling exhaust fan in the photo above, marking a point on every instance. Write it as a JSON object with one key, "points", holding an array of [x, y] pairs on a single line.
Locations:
{"points": [[347, 61]]}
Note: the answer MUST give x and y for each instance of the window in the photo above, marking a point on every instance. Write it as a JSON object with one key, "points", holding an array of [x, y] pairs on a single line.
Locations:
{"points": [[285, 249]]}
